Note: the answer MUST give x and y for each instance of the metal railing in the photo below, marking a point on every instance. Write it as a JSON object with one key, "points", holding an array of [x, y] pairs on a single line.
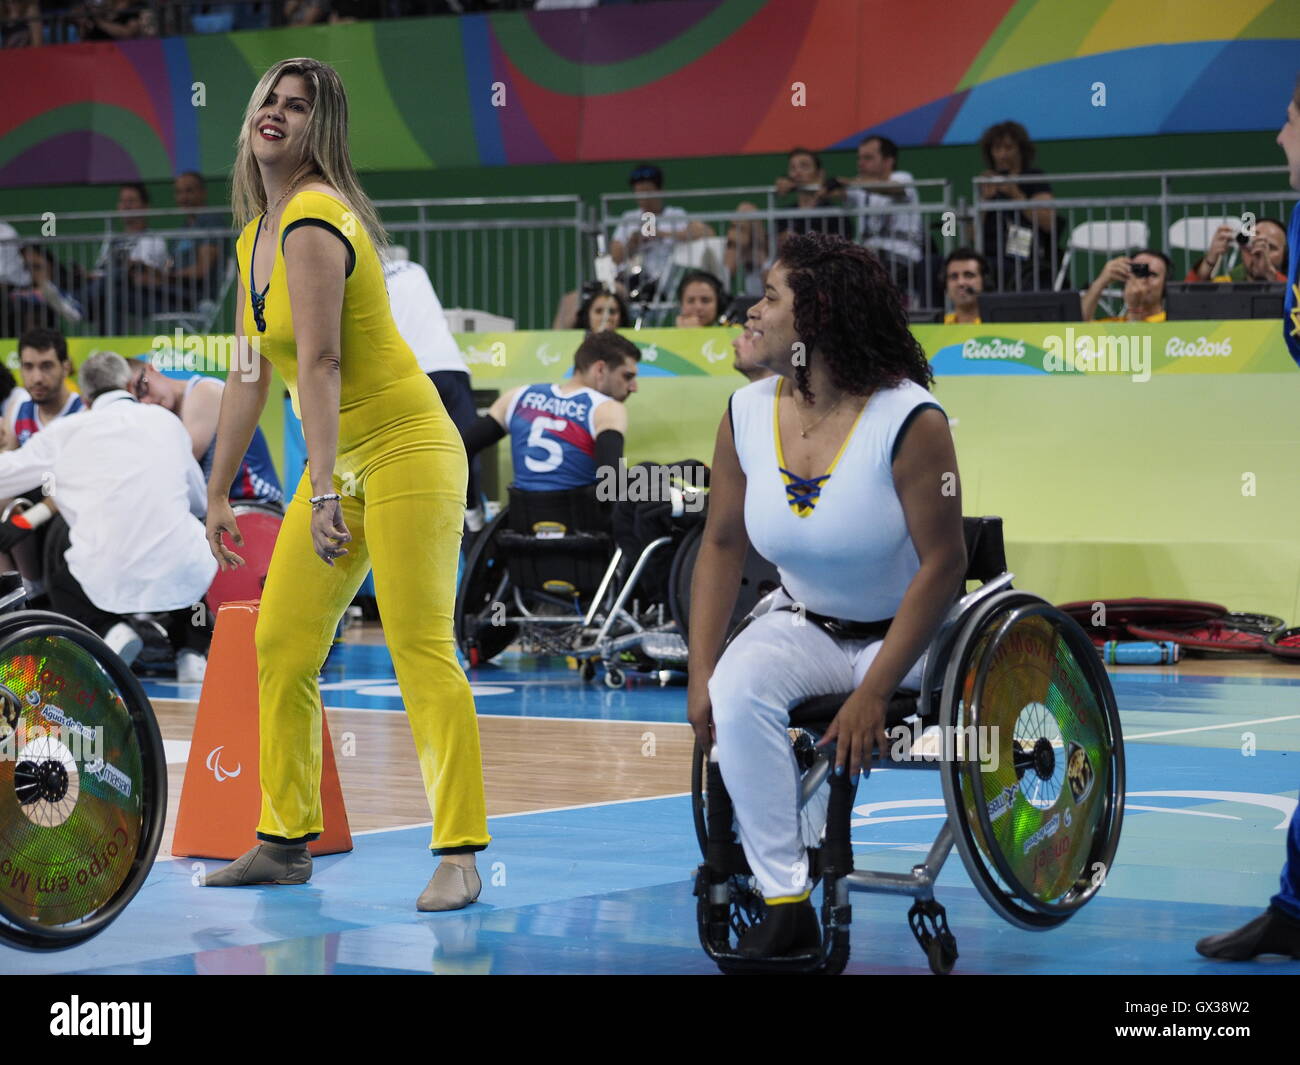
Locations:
{"points": [[908, 237], [512, 256], [1084, 232]]}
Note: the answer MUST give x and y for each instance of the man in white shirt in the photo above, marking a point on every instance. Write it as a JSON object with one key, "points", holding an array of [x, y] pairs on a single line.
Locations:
{"points": [[650, 228], [124, 477], [419, 317], [897, 239]]}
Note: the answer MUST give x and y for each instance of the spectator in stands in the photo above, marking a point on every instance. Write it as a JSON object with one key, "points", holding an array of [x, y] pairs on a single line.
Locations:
{"points": [[123, 477], [138, 259], [815, 192], [1264, 258], [197, 403], [1144, 276], [115, 20], [52, 296], [601, 309], [353, 10], [1020, 244], [651, 229], [964, 272], [700, 299], [20, 23], [13, 275], [898, 240], [197, 262], [305, 12], [747, 258]]}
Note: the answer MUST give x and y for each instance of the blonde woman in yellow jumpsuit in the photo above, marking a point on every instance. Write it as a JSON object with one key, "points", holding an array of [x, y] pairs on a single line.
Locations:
{"points": [[384, 485]]}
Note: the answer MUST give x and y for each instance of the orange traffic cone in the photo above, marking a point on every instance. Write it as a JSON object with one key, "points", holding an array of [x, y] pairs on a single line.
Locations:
{"points": [[221, 799]]}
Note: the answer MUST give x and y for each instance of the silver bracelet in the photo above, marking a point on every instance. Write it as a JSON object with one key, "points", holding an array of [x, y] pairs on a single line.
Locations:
{"points": [[316, 501]]}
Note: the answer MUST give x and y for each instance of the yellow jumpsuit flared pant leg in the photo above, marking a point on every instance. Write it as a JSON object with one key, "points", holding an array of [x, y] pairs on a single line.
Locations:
{"points": [[405, 516]]}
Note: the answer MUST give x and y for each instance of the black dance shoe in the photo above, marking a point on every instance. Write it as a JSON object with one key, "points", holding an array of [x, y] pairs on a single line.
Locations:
{"points": [[1269, 933], [788, 928]]}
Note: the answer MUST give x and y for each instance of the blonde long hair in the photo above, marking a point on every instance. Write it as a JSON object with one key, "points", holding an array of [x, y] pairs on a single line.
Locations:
{"points": [[327, 146]]}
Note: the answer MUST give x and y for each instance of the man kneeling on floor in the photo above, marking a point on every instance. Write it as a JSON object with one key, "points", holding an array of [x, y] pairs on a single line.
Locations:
{"points": [[124, 477]]}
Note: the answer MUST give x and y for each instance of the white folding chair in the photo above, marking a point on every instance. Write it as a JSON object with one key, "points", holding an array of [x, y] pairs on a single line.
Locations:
{"points": [[1110, 238], [1194, 234]]}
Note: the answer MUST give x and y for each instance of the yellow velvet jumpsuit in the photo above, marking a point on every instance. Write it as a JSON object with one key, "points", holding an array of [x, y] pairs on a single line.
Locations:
{"points": [[401, 471]]}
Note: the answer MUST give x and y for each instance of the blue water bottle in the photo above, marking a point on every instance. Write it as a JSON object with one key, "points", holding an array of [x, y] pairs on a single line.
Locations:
{"points": [[1139, 652]]}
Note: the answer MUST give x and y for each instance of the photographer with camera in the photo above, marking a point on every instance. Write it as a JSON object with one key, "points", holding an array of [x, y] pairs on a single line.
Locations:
{"points": [[1144, 276], [1263, 254]]}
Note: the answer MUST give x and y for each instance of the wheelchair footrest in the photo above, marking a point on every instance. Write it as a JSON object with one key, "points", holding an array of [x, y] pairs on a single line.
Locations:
{"points": [[664, 646], [929, 923]]}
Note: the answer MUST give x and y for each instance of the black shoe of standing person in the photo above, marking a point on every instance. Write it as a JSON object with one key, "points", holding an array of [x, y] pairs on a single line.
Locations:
{"points": [[1272, 932], [789, 928]]}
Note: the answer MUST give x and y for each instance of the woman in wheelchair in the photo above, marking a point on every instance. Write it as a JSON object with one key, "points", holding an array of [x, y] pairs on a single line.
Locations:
{"points": [[840, 470]]}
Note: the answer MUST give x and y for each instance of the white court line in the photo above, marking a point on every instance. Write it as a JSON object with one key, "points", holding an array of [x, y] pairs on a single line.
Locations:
{"points": [[1211, 728], [529, 813]]}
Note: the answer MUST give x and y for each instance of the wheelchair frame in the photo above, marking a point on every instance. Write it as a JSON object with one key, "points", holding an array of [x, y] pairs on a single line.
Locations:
{"points": [[601, 632], [728, 903]]}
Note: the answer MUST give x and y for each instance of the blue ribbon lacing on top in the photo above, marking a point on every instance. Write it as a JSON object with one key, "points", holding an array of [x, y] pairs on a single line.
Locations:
{"points": [[804, 491]]}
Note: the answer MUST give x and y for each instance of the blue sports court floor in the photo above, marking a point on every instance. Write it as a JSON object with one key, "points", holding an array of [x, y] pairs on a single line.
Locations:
{"points": [[606, 888]]}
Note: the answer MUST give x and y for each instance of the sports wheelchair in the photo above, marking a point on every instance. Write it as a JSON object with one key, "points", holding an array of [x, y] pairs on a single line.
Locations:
{"points": [[1037, 826], [547, 573], [83, 779]]}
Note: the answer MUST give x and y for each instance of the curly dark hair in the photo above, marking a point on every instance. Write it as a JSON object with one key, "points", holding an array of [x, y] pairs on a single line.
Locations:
{"points": [[1016, 132], [848, 310]]}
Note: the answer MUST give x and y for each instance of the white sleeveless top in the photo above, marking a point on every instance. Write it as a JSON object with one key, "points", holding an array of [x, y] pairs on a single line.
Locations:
{"points": [[840, 540]]}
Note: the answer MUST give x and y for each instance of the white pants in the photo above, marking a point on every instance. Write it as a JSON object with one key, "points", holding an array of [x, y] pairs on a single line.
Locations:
{"points": [[778, 661]]}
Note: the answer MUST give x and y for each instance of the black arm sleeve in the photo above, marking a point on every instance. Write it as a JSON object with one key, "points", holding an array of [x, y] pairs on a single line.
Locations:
{"points": [[609, 448], [483, 433]]}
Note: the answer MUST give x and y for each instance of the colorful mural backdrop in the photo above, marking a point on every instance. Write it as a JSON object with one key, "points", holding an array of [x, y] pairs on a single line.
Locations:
{"points": [[660, 80]]}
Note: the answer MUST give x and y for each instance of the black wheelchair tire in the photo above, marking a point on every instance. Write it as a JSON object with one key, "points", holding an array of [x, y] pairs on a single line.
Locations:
{"points": [[17, 931], [756, 573], [1003, 902], [484, 569]]}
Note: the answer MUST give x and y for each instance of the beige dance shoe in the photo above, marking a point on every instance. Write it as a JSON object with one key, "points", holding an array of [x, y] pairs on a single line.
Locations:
{"points": [[453, 887], [267, 863]]}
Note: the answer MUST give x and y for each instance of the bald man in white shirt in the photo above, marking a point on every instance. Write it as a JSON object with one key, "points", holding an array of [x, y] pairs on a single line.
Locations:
{"points": [[123, 475], [419, 317]]}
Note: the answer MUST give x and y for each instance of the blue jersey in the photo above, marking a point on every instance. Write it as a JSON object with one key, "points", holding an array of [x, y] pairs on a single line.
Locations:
{"points": [[256, 481], [1291, 308], [27, 423], [553, 437]]}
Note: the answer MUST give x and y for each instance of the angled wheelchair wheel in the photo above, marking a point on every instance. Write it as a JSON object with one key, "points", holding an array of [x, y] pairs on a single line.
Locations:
{"points": [[756, 579], [1035, 794], [83, 783], [483, 586]]}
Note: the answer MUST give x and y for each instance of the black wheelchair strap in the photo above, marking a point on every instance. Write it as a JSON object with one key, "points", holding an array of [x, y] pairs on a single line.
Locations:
{"points": [[842, 628]]}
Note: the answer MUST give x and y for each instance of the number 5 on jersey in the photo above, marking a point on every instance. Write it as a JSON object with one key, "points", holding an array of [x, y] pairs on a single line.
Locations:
{"points": [[554, 454]]}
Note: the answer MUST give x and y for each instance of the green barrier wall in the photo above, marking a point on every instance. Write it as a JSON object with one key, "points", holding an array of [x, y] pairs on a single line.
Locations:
{"points": [[1181, 479]]}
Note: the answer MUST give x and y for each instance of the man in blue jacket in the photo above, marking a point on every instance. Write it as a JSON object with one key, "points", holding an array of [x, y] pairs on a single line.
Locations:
{"points": [[1277, 929]]}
